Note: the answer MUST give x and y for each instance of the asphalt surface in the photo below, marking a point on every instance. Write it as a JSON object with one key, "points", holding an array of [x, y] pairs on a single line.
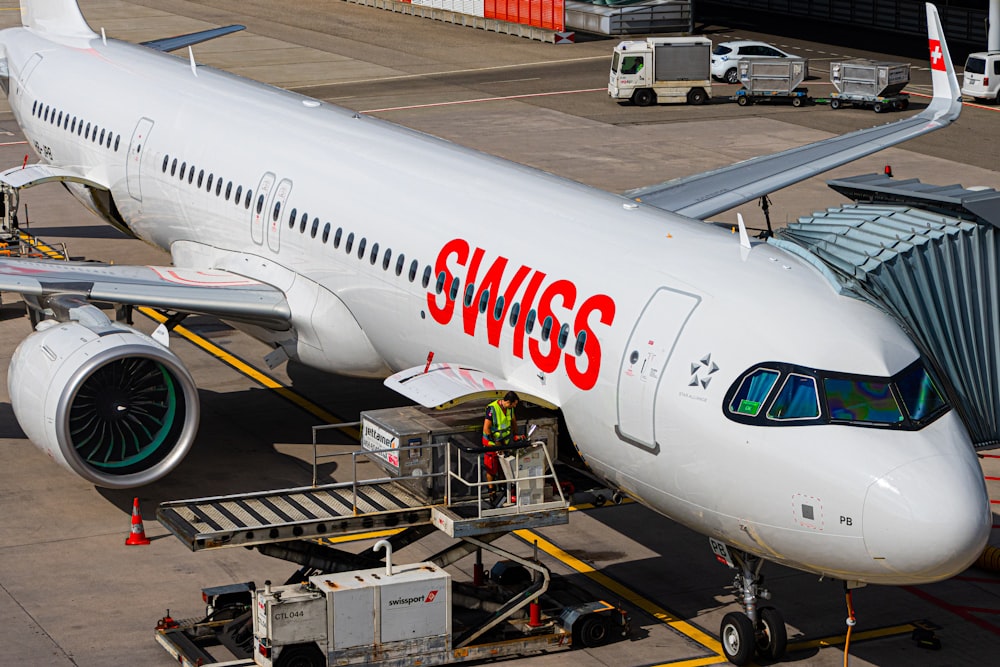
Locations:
{"points": [[71, 593]]}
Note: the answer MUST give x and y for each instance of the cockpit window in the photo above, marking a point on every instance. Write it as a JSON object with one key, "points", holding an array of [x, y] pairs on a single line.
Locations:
{"points": [[780, 394], [796, 400], [753, 391], [920, 397], [852, 400]]}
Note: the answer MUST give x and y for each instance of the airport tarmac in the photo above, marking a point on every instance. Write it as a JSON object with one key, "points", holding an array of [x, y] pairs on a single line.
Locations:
{"points": [[71, 593]]}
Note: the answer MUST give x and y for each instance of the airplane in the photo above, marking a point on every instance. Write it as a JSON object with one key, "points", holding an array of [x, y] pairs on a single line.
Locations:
{"points": [[801, 428]]}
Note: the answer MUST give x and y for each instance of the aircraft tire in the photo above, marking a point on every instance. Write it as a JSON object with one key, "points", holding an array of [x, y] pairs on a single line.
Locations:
{"points": [[737, 637], [772, 638]]}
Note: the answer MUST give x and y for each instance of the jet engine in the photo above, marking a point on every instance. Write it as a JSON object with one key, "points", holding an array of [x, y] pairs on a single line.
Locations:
{"points": [[103, 400]]}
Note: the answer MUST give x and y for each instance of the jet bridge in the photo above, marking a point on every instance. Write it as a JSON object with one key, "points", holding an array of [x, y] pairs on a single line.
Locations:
{"points": [[930, 256]]}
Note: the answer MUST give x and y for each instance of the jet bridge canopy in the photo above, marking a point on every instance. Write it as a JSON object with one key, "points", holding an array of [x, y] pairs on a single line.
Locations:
{"points": [[937, 274]]}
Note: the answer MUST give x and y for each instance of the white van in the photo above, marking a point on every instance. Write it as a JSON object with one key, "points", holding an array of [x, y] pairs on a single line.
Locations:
{"points": [[982, 76]]}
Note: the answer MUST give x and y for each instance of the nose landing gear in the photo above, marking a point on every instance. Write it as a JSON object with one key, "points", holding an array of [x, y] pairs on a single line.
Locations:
{"points": [[756, 631]]}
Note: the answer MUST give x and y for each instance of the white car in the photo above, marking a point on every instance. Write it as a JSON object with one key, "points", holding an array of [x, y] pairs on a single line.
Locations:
{"points": [[726, 57], [982, 76]]}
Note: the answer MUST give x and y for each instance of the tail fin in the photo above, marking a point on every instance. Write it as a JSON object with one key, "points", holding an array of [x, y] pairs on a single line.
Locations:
{"points": [[947, 95], [56, 18]]}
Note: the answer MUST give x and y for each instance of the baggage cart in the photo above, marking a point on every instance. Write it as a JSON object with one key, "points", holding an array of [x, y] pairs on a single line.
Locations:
{"points": [[774, 80], [871, 84]]}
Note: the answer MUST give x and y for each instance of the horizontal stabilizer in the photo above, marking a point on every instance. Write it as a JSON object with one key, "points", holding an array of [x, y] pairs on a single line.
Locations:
{"points": [[445, 385], [712, 192], [180, 41], [213, 292]]}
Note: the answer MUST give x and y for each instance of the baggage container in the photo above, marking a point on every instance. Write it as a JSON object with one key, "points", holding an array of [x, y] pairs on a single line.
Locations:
{"points": [[775, 80], [869, 77], [778, 76], [870, 84]]}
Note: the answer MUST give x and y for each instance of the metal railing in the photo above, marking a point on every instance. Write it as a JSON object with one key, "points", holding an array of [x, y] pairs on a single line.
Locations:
{"points": [[455, 471], [511, 505]]}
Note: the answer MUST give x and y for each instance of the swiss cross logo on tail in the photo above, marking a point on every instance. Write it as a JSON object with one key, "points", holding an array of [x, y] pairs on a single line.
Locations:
{"points": [[937, 57]]}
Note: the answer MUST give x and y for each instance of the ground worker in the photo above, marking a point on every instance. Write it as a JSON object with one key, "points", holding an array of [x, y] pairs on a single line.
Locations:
{"points": [[498, 429]]}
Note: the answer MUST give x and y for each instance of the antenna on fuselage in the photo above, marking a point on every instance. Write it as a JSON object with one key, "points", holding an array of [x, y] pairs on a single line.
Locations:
{"points": [[194, 65]]}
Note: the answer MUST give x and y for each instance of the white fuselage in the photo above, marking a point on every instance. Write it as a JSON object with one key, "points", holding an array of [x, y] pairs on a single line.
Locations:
{"points": [[888, 506]]}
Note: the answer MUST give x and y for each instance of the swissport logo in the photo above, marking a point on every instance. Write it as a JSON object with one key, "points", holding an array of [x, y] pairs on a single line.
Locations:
{"points": [[406, 602]]}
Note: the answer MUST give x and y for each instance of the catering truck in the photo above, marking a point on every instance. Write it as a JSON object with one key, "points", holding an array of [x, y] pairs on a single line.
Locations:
{"points": [[662, 69]]}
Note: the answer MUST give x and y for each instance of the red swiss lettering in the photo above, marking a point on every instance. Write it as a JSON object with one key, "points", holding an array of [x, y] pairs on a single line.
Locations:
{"points": [[605, 306], [460, 249], [547, 362]]}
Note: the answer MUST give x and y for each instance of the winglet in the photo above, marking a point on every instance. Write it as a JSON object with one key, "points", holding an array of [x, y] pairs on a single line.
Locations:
{"points": [[947, 99]]}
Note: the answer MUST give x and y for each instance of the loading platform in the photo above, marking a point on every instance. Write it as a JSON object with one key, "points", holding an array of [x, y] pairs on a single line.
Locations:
{"points": [[448, 494]]}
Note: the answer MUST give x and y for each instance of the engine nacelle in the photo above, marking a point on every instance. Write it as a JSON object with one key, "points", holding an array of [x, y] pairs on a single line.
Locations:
{"points": [[104, 400]]}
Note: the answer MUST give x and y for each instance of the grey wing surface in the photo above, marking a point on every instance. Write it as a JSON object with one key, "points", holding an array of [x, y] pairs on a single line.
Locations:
{"points": [[212, 292], [715, 191]]}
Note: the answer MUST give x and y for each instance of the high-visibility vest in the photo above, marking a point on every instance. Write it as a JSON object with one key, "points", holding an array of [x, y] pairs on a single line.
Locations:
{"points": [[501, 423]]}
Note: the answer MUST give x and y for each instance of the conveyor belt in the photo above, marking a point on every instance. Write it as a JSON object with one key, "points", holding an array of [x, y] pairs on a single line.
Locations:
{"points": [[291, 514]]}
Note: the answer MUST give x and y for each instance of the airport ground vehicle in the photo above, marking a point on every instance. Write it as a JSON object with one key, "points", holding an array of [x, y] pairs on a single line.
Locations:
{"points": [[662, 69], [727, 56], [871, 84], [773, 80], [982, 76], [345, 608]]}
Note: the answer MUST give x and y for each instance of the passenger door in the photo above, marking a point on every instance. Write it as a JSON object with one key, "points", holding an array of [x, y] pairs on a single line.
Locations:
{"points": [[646, 355]]}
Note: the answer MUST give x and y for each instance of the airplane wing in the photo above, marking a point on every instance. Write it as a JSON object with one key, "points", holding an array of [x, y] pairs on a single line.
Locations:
{"points": [[180, 41], [221, 293], [719, 190], [446, 385]]}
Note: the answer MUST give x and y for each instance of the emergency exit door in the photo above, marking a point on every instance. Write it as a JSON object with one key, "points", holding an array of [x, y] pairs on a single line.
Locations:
{"points": [[136, 148], [646, 355]]}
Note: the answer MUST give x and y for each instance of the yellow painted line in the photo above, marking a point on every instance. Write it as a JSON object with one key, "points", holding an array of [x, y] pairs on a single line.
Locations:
{"points": [[638, 600], [249, 371], [375, 534], [838, 640]]}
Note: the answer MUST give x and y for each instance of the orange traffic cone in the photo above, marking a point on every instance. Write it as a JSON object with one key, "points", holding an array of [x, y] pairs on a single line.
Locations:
{"points": [[137, 535]]}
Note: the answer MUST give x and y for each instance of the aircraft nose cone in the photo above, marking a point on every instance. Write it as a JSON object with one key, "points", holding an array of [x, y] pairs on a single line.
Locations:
{"points": [[927, 520]]}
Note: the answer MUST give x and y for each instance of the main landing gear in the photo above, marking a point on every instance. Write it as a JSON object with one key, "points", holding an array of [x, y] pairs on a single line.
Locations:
{"points": [[756, 631]]}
